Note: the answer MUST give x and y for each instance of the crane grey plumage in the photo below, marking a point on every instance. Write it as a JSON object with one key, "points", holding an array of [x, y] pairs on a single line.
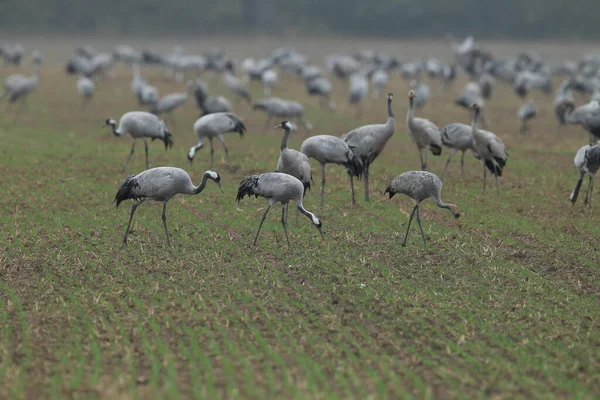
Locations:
{"points": [[85, 87], [141, 125], [18, 86], [587, 161], [526, 112], [206, 103], [457, 137], [422, 93], [419, 185], [268, 78], [359, 89], [490, 149], [424, 133], [234, 84], [588, 116], [277, 187], [320, 86], [379, 79], [293, 162], [213, 126], [563, 103], [327, 149], [368, 141], [275, 107], [160, 184]]}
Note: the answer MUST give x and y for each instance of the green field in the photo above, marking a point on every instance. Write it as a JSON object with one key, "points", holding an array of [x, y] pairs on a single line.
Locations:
{"points": [[503, 303]]}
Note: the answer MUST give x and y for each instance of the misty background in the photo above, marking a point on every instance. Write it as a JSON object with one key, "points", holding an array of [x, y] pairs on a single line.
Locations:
{"points": [[511, 19]]}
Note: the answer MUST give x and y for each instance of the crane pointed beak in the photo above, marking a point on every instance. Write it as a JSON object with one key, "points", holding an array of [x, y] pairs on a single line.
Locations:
{"points": [[321, 232], [220, 187], [277, 126]]}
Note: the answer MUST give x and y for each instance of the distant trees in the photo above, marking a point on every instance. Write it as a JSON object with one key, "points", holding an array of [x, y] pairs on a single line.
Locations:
{"points": [[483, 18]]}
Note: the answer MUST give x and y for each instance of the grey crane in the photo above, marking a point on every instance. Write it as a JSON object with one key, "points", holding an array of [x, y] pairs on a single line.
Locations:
{"points": [[37, 59], [293, 162], [457, 137], [327, 149], [206, 103], [269, 79], [141, 125], [526, 112], [424, 133], [160, 184], [419, 186], [368, 141], [379, 79], [490, 149], [234, 84], [19, 87], [422, 93], [588, 116], [85, 87], [275, 107], [587, 161], [359, 89], [168, 103], [563, 102], [277, 187], [320, 86], [213, 126]]}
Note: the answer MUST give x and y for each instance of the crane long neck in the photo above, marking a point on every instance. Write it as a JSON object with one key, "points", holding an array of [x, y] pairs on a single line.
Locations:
{"points": [[284, 141], [474, 127], [202, 185], [115, 131], [411, 105], [389, 106]]}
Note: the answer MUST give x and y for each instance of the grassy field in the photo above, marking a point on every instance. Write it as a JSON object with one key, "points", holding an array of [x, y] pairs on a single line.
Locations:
{"points": [[502, 304]]}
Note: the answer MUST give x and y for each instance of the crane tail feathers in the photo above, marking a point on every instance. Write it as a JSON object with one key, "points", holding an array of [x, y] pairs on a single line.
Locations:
{"points": [[436, 150], [501, 161], [167, 139], [127, 190], [495, 169], [248, 187]]}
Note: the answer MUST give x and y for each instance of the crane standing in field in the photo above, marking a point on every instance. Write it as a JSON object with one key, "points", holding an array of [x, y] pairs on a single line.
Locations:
{"points": [[234, 84], [526, 112], [587, 161], [423, 133], [368, 141], [457, 137], [419, 185], [277, 188], [17, 87], [160, 184], [327, 149], [168, 103], [85, 87], [214, 126], [141, 125], [490, 149]]}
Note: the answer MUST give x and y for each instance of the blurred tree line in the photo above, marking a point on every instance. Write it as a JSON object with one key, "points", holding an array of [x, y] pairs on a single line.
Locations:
{"points": [[423, 18]]}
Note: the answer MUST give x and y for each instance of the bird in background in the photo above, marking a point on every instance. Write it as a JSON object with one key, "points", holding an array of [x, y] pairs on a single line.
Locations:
{"points": [[419, 186], [141, 125], [277, 187], [587, 161], [213, 126], [526, 112], [424, 133], [160, 184], [457, 137], [368, 141]]}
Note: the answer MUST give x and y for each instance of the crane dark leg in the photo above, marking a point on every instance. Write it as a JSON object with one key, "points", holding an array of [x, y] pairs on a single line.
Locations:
{"points": [[222, 140], [133, 207], [352, 189], [423, 166], [412, 214], [146, 148], [212, 153], [261, 224], [323, 185], [366, 175], [164, 220], [420, 227], [496, 179], [484, 174], [129, 158], [462, 166], [283, 217], [448, 163], [588, 193]]}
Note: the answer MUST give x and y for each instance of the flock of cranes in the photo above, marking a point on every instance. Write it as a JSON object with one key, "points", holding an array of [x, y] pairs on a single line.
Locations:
{"points": [[355, 150]]}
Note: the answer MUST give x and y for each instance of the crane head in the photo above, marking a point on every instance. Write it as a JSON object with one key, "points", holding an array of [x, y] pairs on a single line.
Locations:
{"points": [[454, 210], [284, 125], [109, 122], [474, 106], [215, 177], [411, 94], [390, 96]]}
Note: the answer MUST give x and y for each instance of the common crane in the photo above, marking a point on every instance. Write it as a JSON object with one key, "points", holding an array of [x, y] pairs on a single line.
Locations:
{"points": [[423, 133], [368, 141], [206, 103], [213, 126], [160, 184], [141, 125], [457, 137], [277, 187], [419, 185], [587, 161], [526, 112]]}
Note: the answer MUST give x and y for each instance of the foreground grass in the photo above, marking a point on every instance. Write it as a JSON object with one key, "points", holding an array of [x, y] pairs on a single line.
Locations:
{"points": [[503, 304]]}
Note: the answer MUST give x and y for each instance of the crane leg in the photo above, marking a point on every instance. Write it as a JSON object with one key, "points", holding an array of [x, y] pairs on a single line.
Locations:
{"points": [[323, 185], [222, 140], [420, 227], [212, 153], [484, 174], [129, 158], [352, 189], [133, 207], [283, 217], [588, 193], [448, 163], [462, 166], [412, 214], [146, 149], [164, 220], [496, 179], [261, 224], [423, 165], [366, 175]]}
